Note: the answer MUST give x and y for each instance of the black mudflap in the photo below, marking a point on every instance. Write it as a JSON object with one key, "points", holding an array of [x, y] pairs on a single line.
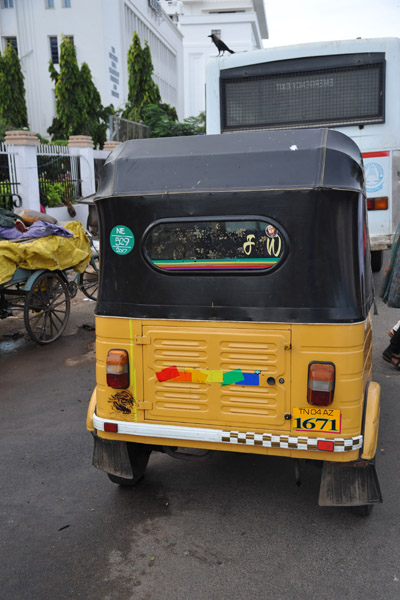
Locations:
{"points": [[112, 457], [351, 484]]}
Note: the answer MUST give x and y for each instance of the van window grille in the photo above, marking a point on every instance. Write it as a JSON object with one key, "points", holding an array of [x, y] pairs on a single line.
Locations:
{"points": [[348, 95]]}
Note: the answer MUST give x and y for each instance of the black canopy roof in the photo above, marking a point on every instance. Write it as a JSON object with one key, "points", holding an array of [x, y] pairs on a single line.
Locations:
{"points": [[309, 182], [258, 160]]}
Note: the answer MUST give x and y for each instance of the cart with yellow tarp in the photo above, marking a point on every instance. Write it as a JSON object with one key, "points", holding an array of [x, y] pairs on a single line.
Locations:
{"points": [[34, 280]]}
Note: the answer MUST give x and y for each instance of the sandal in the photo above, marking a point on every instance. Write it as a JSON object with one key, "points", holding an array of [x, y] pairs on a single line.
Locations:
{"points": [[391, 358]]}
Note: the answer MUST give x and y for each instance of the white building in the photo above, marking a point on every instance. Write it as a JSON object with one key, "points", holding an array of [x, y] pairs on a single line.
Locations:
{"points": [[102, 32], [241, 24]]}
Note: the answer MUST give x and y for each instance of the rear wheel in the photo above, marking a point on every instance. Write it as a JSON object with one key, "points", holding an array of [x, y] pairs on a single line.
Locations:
{"points": [[123, 481], [47, 307], [376, 260], [363, 511], [139, 455]]}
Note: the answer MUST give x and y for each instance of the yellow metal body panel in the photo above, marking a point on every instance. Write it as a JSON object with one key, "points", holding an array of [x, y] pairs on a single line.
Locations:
{"points": [[208, 349], [91, 409], [212, 351], [371, 421]]}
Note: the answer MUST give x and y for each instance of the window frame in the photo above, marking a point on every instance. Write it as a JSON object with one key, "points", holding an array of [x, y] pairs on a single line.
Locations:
{"points": [[217, 272], [7, 40], [52, 37]]}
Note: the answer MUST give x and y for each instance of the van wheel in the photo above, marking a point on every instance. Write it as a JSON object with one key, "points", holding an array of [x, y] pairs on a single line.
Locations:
{"points": [[376, 260], [139, 455], [363, 511]]}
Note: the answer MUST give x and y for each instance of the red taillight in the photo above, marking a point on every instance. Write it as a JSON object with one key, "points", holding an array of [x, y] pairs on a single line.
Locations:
{"points": [[321, 383], [112, 427], [378, 203], [118, 369], [325, 445]]}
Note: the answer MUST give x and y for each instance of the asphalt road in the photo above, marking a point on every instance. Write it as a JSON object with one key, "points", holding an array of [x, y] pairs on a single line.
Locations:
{"points": [[233, 527]]}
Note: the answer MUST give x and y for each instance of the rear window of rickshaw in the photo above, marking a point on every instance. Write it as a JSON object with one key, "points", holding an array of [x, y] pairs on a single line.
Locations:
{"points": [[215, 245]]}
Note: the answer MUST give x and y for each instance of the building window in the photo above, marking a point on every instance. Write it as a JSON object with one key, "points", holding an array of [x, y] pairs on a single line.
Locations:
{"points": [[7, 4], [49, 3], [66, 3], [12, 41], [53, 49]]}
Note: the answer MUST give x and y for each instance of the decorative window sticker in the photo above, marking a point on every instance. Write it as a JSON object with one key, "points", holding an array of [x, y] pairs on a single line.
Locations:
{"points": [[218, 245]]}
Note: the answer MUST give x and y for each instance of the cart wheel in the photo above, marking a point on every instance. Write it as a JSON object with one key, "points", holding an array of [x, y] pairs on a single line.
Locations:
{"points": [[89, 279], [47, 307], [72, 288]]}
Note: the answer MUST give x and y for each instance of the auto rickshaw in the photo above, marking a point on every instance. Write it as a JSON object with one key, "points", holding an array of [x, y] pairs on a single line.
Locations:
{"points": [[234, 309]]}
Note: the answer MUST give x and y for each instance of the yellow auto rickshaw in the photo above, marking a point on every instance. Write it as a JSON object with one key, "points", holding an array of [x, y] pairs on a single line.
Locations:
{"points": [[234, 309]]}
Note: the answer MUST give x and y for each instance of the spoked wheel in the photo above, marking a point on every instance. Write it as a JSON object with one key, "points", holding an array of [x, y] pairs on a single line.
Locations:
{"points": [[46, 310], [89, 279]]}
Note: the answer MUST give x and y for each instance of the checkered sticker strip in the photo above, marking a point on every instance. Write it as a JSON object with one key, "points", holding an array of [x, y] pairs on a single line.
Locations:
{"points": [[268, 440]]}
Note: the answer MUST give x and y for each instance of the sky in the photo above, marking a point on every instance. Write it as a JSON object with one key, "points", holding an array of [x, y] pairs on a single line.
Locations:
{"points": [[299, 21]]}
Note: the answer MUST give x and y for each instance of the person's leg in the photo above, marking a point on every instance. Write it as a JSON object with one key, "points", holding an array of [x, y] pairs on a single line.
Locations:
{"points": [[392, 352], [395, 328]]}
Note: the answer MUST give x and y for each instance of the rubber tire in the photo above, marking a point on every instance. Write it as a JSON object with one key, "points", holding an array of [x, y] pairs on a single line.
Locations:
{"points": [[122, 481], [139, 455], [376, 260], [363, 511]]}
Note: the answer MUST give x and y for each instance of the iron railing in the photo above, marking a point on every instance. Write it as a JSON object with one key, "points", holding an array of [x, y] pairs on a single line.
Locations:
{"points": [[9, 196], [58, 173]]}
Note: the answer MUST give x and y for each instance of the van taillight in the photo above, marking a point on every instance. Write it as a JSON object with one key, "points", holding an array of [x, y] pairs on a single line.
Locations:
{"points": [[321, 383], [117, 369], [378, 203]]}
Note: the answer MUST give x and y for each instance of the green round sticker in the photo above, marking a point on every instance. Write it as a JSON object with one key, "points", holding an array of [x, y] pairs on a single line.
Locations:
{"points": [[122, 239]]}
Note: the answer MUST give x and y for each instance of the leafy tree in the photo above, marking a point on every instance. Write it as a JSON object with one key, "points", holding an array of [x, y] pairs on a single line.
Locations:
{"points": [[4, 126], [151, 93], [142, 91], [78, 102], [12, 90], [162, 125], [70, 106], [97, 115], [144, 98]]}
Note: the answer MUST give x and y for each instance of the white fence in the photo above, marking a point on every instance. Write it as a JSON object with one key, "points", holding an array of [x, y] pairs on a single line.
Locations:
{"points": [[32, 174]]}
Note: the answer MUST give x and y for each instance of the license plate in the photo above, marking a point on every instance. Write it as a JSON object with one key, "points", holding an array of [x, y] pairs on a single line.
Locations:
{"points": [[317, 419]]}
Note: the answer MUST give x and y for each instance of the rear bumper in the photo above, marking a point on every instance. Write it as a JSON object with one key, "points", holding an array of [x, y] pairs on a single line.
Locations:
{"points": [[171, 434]]}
